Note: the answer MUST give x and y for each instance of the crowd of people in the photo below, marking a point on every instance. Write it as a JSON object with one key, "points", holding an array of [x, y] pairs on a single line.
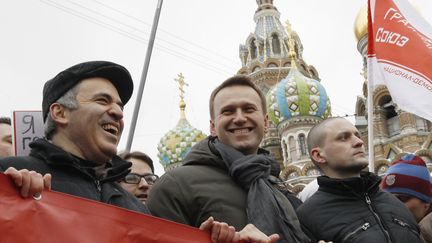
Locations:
{"points": [[227, 186]]}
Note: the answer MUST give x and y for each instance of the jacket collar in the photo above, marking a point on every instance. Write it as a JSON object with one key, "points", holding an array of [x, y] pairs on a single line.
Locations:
{"points": [[204, 153], [366, 183], [57, 157]]}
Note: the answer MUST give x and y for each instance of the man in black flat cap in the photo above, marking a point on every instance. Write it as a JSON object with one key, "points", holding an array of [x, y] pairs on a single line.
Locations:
{"points": [[83, 114]]}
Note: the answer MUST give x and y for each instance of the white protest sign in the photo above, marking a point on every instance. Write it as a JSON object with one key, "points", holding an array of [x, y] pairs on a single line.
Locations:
{"points": [[28, 126]]}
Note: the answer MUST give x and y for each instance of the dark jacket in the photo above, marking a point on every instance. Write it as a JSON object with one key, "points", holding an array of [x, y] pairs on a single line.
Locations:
{"points": [[426, 228], [75, 176], [356, 210], [201, 188]]}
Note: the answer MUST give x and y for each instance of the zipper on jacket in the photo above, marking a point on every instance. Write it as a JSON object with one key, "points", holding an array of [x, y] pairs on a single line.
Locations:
{"points": [[369, 203], [364, 227], [405, 225], [98, 185]]}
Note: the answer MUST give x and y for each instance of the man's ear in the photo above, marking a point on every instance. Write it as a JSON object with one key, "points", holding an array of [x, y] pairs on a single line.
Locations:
{"points": [[212, 129], [317, 155], [59, 113]]}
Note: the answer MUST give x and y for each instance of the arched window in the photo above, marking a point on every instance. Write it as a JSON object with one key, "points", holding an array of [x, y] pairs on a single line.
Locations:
{"points": [[253, 49], [285, 150], [292, 148], [302, 144], [392, 119], [276, 44]]}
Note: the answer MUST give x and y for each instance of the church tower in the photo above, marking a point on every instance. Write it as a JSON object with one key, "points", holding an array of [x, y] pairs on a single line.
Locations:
{"points": [[272, 56]]}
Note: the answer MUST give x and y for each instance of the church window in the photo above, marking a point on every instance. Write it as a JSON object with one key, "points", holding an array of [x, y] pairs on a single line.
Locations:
{"points": [[293, 148], [302, 144], [276, 44]]}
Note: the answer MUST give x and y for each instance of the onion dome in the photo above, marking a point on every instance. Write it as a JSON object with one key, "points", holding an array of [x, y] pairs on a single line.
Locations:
{"points": [[361, 23], [175, 144], [297, 95]]}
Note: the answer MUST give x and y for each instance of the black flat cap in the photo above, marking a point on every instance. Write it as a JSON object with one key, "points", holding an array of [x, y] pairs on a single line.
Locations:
{"points": [[67, 79]]}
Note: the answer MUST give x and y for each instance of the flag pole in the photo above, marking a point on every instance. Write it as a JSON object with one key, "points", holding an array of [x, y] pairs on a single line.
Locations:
{"points": [[144, 75], [371, 152], [370, 119]]}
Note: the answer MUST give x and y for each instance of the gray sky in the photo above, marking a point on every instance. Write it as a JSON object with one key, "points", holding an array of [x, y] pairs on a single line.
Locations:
{"points": [[199, 38]]}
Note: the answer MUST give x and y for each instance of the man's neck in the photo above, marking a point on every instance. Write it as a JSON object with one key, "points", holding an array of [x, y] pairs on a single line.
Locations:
{"points": [[67, 145], [341, 175]]}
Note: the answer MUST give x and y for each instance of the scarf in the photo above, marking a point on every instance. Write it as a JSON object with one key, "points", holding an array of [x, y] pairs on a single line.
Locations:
{"points": [[267, 208]]}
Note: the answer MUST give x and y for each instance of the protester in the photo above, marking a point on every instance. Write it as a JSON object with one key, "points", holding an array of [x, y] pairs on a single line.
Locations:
{"points": [[83, 113], [141, 178], [349, 206], [409, 180], [227, 175], [6, 148]]}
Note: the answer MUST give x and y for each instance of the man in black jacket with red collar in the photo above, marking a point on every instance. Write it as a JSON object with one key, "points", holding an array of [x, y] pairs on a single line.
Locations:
{"points": [[349, 206]]}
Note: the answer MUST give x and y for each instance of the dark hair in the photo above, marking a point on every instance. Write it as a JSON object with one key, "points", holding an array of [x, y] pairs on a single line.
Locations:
{"points": [[5, 120], [138, 155], [241, 80]]}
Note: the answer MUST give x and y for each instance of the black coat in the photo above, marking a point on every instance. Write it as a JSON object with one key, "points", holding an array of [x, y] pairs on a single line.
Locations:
{"points": [[356, 210], [201, 188], [69, 175]]}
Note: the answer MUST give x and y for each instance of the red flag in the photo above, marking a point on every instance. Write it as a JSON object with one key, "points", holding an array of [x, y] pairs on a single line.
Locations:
{"points": [[62, 218], [400, 54]]}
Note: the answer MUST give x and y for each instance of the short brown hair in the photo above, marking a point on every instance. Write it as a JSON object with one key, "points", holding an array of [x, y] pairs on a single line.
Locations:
{"points": [[138, 155], [241, 80]]}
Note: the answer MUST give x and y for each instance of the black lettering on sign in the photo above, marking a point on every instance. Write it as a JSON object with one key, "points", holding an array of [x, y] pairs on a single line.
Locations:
{"points": [[24, 143], [29, 120]]}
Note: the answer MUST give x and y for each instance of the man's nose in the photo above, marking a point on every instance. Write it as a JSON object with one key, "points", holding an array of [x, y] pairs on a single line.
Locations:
{"points": [[143, 184], [239, 117], [116, 111], [358, 142]]}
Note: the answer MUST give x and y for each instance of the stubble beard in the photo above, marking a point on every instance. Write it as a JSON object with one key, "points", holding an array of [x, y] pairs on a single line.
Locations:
{"points": [[354, 167]]}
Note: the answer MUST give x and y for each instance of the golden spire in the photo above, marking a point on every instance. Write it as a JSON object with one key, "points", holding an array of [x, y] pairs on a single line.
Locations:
{"points": [[291, 42], [181, 84]]}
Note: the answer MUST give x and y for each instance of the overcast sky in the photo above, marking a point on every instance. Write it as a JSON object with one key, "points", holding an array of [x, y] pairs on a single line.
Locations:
{"points": [[199, 38]]}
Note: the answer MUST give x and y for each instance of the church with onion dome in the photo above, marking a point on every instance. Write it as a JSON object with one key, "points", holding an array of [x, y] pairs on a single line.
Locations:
{"points": [[296, 98], [175, 144]]}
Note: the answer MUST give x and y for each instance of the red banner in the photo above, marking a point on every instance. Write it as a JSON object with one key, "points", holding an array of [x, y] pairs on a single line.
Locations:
{"points": [[62, 218]]}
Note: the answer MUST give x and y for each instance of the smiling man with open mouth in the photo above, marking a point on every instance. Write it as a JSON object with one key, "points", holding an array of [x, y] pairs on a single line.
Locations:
{"points": [[83, 114]]}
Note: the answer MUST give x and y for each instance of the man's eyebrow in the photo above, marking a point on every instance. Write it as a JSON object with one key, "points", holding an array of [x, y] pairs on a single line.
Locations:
{"points": [[342, 133]]}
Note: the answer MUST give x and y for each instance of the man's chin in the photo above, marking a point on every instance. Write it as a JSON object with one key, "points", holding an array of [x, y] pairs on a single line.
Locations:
{"points": [[355, 167]]}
